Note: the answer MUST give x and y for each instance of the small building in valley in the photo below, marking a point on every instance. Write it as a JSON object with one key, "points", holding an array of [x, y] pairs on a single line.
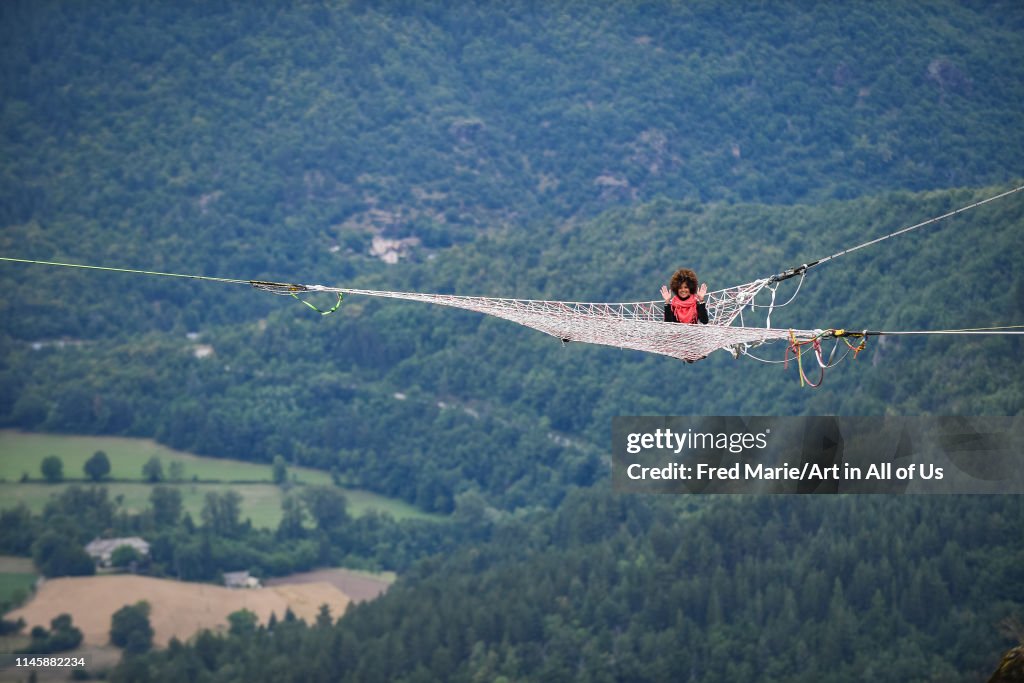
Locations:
{"points": [[101, 549], [240, 580]]}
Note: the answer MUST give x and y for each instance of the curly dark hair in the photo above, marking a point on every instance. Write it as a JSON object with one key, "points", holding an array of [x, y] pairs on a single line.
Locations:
{"points": [[681, 276]]}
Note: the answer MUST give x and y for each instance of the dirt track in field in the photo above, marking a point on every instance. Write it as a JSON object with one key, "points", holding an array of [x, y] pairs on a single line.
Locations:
{"points": [[357, 586], [178, 609], [17, 565]]}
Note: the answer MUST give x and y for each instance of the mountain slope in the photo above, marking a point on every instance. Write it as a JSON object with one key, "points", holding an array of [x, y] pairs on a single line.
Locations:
{"points": [[428, 402]]}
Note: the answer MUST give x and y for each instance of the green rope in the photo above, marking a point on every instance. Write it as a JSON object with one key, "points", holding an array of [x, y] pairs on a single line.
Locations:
{"points": [[125, 270], [273, 287], [337, 304]]}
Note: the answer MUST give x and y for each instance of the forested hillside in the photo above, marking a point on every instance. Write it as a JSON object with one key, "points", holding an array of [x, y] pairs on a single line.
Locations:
{"points": [[426, 402], [555, 150], [628, 589], [251, 138]]}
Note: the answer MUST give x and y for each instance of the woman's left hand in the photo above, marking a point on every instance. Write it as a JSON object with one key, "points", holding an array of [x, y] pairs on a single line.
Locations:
{"points": [[702, 292]]}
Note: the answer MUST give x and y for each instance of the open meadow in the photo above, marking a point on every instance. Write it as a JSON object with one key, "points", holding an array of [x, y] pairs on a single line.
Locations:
{"points": [[179, 608], [17, 578], [21, 453], [357, 585], [15, 586]]}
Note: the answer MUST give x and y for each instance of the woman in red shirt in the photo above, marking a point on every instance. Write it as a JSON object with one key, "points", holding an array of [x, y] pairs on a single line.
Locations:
{"points": [[684, 300]]}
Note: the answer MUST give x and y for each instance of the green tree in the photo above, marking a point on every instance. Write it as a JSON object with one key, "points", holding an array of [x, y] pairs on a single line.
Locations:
{"points": [[221, 511], [98, 466], [8, 627], [327, 505], [167, 505], [293, 515], [124, 555], [62, 636], [52, 468], [176, 471], [280, 470], [17, 530], [153, 470], [86, 510], [242, 622], [130, 628], [58, 555]]}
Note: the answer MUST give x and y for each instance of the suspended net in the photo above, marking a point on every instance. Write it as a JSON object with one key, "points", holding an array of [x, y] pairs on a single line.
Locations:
{"points": [[637, 325]]}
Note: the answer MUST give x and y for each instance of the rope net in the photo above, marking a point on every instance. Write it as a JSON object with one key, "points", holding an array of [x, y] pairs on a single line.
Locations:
{"points": [[638, 325]]}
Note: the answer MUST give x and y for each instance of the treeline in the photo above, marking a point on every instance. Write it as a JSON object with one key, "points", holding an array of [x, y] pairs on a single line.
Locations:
{"points": [[613, 588], [316, 530], [428, 403]]}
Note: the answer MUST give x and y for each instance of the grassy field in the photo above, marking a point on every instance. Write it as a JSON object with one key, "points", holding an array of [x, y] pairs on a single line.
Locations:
{"points": [[15, 587], [260, 502], [22, 452]]}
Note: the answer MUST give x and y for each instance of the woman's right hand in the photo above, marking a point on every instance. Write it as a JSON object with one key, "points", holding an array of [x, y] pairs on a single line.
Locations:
{"points": [[665, 294]]}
